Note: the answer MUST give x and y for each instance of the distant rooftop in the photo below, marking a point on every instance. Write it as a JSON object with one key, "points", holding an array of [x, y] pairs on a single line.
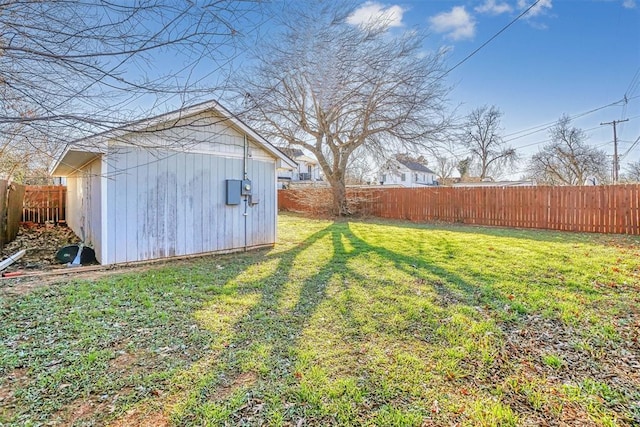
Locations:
{"points": [[413, 165], [291, 152]]}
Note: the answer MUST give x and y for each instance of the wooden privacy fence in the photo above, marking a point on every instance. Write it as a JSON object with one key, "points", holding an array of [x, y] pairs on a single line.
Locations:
{"points": [[44, 203], [11, 196], [596, 209]]}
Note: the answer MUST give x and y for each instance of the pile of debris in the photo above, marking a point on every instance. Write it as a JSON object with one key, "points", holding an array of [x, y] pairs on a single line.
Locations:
{"points": [[41, 242]]}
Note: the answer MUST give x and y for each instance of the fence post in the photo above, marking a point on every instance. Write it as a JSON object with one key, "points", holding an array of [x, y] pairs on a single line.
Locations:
{"points": [[15, 200], [3, 211]]}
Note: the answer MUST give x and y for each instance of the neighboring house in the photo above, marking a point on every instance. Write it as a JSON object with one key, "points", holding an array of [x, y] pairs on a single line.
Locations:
{"points": [[173, 185], [307, 169], [406, 172]]}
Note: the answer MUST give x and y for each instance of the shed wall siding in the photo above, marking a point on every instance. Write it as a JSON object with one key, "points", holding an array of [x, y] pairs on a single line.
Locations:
{"points": [[262, 217], [74, 201], [84, 213], [172, 203]]}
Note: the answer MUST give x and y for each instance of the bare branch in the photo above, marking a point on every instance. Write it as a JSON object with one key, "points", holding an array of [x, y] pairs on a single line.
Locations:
{"points": [[86, 66], [568, 160], [336, 89], [481, 136]]}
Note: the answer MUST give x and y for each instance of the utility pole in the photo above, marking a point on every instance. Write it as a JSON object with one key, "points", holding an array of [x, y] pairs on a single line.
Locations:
{"points": [[616, 166]]}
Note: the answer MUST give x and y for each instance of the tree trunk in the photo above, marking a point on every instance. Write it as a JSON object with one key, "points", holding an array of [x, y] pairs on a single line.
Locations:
{"points": [[339, 190]]}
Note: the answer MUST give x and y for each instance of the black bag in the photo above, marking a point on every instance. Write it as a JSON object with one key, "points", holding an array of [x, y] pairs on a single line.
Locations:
{"points": [[69, 253]]}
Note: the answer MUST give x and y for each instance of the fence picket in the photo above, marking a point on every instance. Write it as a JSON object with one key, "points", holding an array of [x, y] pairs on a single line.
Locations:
{"points": [[44, 203]]}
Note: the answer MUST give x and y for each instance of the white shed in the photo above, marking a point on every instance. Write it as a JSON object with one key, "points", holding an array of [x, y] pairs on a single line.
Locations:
{"points": [[193, 181]]}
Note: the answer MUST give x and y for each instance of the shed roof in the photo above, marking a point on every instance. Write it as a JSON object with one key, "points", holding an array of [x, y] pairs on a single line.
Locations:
{"points": [[82, 151]]}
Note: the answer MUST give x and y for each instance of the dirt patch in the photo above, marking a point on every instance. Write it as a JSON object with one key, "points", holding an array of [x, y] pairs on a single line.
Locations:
{"points": [[245, 379], [149, 413], [84, 410], [81, 410], [143, 416], [128, 364], [24, 284], [123, 362], [61, 274]]}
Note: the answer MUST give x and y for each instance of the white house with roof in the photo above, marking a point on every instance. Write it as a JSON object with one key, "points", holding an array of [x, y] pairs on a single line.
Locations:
{"points": [[197, 180], [403, 171], [307, 170]]}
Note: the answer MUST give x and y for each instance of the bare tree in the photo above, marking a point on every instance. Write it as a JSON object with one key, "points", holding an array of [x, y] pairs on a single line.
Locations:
{"points": [[334, 88], [21, 161], [632, 172], [481, 137], [444, 166], [70, 68], [568, 160], [360, 170]]}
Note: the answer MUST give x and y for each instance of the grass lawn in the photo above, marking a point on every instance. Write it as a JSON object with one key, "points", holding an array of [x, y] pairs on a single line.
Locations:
{"points": [[342, 323]]}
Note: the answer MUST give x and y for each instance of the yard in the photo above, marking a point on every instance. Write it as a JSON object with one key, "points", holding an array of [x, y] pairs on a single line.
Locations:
{"points": [[342, 323]]}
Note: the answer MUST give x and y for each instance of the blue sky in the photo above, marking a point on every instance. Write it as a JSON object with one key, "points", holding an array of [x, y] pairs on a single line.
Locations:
{"points": [[563, 57]]}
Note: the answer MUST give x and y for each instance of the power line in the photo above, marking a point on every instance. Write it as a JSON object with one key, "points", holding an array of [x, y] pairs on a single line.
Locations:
{"points": [[633, 85], [631, 89], [548, 126], [626, 153], [491, 39], [584, 130], [545, 126]]}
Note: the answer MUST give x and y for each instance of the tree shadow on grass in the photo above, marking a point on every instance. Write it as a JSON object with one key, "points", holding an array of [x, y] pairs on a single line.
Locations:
{"points": [[263, 336], [449, 284], [266, 340], [266, 337]]}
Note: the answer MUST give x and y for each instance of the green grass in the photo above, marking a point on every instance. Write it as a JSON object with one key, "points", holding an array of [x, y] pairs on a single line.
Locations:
{"points": [[342, 323]]}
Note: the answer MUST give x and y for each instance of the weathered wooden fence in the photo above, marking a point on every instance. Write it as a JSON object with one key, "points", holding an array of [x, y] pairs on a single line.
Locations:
{"points": [[15, 199], [44, 203], [597, 209], [11, 196]]}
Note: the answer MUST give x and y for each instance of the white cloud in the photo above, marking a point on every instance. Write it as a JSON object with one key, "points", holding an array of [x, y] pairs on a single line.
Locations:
{"points": [[629, 4], [493, 8], [538, 25], [458, 24], [541, 8], [373, 13]]}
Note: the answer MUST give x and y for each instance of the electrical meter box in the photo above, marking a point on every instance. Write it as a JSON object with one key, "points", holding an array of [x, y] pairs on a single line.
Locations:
{"points": [[234, 189], [247, 187]]}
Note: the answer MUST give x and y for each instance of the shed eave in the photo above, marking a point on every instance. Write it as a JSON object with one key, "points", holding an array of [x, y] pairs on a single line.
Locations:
{"points": [[72, 161]]}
